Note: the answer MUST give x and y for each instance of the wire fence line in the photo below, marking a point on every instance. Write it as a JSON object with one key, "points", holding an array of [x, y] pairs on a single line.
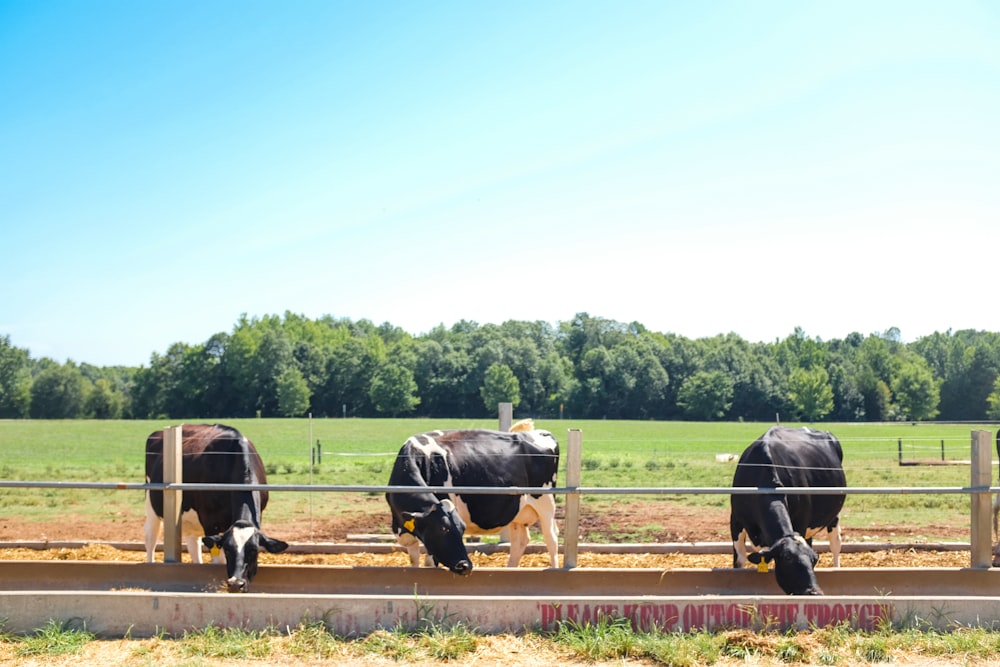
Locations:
{"points": [[510, 490]]}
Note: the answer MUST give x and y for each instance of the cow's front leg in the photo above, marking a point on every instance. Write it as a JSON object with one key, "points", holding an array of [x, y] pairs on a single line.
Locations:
{"points": [[412, 546], [518, 543], [740, 550], [194, 548]]}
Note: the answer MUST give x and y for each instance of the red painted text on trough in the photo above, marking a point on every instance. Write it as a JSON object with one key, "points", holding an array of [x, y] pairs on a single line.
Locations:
{"points": [[716, 615]]}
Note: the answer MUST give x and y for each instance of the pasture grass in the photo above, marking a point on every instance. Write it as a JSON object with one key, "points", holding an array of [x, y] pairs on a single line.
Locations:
{"points": [[357, 452], [605, 641]]}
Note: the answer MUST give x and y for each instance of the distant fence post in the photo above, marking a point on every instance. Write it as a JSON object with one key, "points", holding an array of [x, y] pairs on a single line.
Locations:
{"points": [[571, 529], [173, 448], [981, 538], [506, 411]]}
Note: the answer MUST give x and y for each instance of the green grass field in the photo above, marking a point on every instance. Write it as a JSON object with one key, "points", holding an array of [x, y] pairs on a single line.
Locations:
{"points": [[360, 452]]}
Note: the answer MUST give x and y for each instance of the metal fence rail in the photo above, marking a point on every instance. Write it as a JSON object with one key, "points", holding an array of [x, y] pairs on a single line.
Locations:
{"points": [[515, 490], [979, 491]]}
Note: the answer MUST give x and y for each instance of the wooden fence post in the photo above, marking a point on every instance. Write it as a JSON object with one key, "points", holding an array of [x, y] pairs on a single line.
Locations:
{"points": [[506, 411], [173, 448], [571, 529], [981, 538]]}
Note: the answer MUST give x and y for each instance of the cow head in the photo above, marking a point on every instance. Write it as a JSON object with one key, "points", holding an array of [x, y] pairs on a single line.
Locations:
{"points": [[794, 561], [241, 544], [441, 530]]}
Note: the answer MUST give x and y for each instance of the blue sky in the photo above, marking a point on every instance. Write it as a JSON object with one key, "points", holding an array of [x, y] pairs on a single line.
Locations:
{"points": [[701, 168]]}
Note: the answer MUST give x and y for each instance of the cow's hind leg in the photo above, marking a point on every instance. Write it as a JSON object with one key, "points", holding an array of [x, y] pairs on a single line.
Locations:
{"points": [[153, 526], [546, 508], [834, 538], [518, 543]]}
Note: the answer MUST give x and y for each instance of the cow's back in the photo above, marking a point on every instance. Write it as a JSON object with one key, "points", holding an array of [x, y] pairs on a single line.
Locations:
{"points": [[785, 457], [211, 454], [480, 457]]}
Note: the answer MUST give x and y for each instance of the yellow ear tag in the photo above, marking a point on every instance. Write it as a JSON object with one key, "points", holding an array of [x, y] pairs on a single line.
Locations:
{"points": [[762, 566], [409, 525], [214, 551]]}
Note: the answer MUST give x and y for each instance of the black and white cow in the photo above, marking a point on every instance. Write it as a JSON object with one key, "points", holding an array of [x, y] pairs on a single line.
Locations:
{"points": [[473, 458], [228, 520], [784, 525]]}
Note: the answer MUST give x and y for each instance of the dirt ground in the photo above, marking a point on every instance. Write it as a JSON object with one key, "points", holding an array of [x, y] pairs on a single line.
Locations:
{"points": [[657, 522]]}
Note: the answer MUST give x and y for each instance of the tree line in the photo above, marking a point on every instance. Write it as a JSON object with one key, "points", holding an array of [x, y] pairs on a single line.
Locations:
{"points": [[584, 368]]}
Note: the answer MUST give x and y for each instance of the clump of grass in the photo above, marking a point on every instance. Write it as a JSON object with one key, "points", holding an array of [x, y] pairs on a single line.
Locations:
{"points": [[229, 643], [55, 639], [606, 639], [387, 644], [448, 643], [435, 642], [313, 640]]}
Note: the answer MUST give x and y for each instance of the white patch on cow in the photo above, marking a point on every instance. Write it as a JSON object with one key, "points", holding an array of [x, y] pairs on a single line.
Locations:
{"points": [[429, 447], [543, 439], [241, 536]]}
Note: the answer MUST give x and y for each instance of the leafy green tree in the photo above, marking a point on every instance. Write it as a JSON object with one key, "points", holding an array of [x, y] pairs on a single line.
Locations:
{"points": [[591, 399], [706, 395], [757, 375], [15, 381], [103, 402], [843, 369], [556, 376], [915, 390], [441, 369], [59, 392], [351, 369], [293, 393], [875, 364], [811, 393], [972, 364], [394, 391], [500, 385], [993, 401]]}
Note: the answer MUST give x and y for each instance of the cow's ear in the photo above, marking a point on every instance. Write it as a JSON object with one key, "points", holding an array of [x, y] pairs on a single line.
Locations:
{"points": [[212, 541], [764, 555], [272, 545]]}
